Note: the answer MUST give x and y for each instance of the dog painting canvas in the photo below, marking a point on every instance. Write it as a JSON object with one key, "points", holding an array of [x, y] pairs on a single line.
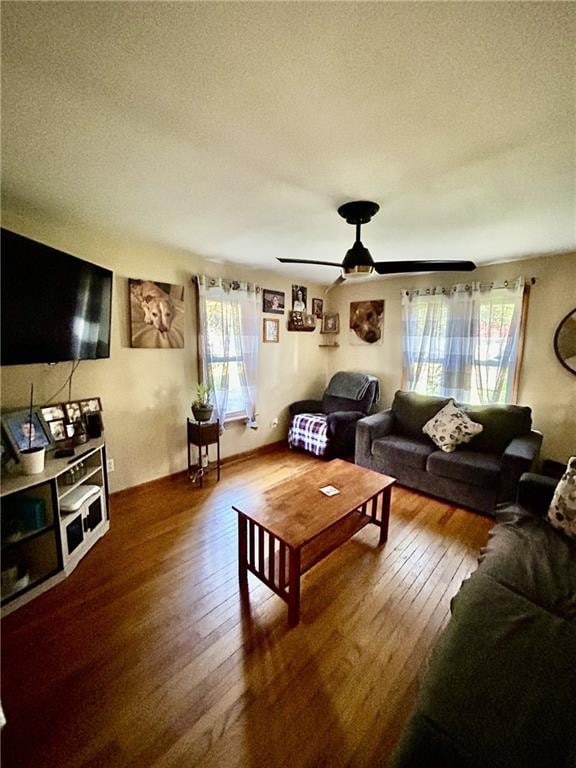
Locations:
{"points": [[366, 320], [156, 315]]}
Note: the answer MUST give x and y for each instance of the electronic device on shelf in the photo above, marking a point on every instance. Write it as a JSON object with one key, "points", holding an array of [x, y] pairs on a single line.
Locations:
{"points": [[54, 306]]}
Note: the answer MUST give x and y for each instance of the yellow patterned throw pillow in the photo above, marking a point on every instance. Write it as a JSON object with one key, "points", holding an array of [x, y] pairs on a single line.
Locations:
{"points": [[562, 511], [450, 427]]}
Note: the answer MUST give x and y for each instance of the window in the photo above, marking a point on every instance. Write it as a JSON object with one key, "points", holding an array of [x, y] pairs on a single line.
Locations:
{"points": [[228, 345], [464, 342]]}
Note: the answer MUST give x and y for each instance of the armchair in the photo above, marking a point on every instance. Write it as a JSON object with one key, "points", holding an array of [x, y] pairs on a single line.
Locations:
{"points": [[327, 427]]}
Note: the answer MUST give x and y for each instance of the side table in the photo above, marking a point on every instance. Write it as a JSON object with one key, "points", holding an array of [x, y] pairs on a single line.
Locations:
{"points": [[202, 434]]}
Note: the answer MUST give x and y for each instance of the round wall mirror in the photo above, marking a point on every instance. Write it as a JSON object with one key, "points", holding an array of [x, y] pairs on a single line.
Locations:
{"points": [[565, 342]]}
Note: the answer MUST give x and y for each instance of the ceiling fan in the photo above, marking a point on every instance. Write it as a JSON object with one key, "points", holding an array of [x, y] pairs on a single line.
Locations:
{"points": [[358, 261]]}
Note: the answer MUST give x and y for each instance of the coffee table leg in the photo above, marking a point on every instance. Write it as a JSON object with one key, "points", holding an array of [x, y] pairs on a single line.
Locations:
{"points": [[385, 521], [242, 552], [294, 587]]}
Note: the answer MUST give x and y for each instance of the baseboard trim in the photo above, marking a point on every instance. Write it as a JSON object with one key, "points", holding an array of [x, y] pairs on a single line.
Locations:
{"points": [[261, 451], [234, 459]]}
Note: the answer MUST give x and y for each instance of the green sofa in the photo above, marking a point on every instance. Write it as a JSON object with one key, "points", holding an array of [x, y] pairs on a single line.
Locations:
{"points": [[480, 474], [499, 690]]}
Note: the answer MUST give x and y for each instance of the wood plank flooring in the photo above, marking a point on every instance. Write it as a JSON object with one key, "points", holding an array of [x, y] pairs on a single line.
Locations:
{"points": [[145, 655]]}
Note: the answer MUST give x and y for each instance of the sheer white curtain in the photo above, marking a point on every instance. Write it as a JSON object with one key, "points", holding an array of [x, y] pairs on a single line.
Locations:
{"points": [[463, 341], [228, 342]]}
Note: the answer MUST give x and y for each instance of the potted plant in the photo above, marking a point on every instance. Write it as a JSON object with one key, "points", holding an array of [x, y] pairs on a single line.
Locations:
{"points": [[202, 407]]}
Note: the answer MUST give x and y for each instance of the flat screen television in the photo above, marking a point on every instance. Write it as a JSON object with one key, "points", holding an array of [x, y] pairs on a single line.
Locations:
{"points": [[54, 306]]}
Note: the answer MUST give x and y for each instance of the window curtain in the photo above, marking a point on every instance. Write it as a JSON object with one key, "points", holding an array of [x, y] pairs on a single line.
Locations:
{"points": [[228, 338], [464, 341]]}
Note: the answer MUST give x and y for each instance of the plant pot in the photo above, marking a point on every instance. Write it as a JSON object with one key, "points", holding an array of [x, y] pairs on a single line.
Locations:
{"points": [[32, 460], [202, 412]]}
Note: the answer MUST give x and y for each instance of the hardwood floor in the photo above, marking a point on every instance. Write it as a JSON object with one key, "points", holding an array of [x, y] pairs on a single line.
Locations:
{"points": [[144, 656]]}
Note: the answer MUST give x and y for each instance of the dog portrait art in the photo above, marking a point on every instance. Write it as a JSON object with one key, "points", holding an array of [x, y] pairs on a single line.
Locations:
{"points": [[366, 320], [156, 315]]}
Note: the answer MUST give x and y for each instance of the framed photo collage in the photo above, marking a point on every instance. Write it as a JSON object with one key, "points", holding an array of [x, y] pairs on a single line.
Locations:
{"points": [[61, 418]]}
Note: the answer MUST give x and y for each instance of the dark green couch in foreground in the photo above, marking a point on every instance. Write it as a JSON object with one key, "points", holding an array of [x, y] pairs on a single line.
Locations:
{"points": [[500, 688]]}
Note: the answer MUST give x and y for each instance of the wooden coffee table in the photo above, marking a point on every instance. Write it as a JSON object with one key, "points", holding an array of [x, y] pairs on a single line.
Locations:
{"points": [[289, 528]]}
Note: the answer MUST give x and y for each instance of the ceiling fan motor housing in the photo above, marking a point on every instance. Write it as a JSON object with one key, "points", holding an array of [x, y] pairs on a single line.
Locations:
{"points": [[358, 260]]}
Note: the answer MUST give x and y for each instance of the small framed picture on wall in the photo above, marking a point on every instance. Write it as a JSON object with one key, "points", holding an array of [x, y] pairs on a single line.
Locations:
{"points": [[299, 298], [273, 301], [330, 323], [271, 330], [317, 305]]}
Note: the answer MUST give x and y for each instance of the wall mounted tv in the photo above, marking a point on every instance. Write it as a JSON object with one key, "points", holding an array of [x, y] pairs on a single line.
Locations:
{"points": [[54, 306]]}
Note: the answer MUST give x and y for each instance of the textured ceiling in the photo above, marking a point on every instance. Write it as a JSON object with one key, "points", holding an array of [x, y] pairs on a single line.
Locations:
{"points": [[234, 130]]}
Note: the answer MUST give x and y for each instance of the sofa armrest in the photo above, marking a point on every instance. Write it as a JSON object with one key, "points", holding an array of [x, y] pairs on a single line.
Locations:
{"points": [[535, 492], [342, 431], [370, 428], [337, 418], [305, 406], [519, 457]]}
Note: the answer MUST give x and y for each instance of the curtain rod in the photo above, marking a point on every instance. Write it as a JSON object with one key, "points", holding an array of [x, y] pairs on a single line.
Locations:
{"points": [[492, 285], [226, 282]]}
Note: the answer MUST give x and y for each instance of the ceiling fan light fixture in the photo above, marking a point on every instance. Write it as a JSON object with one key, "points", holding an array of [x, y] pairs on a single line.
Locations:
{"points": [[360, 270]]}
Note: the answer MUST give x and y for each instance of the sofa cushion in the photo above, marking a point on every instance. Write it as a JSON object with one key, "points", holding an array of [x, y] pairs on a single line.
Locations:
{"points": [[450, 427], [470, 467], [502, 423], [562, 511], [405, 450], [525, 554], [412, 411]]}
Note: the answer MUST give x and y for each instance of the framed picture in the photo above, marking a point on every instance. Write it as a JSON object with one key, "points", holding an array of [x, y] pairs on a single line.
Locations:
{"points": [[73, 411], [330, 323], [91, 406], [156, 315], [271, 331], [366, 319], [299, 298], [317, 305], [273, 301], [565, 342], [58, 430], [23, 433], [52, 412]]}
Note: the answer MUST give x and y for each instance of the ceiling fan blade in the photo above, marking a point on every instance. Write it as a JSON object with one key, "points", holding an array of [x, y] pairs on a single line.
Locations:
{"points": [[397, 267], [307, 261], [339, 280]]}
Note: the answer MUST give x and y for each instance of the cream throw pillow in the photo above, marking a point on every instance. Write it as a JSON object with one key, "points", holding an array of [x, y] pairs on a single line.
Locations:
{"points": [[562, 511], [450, 427]]}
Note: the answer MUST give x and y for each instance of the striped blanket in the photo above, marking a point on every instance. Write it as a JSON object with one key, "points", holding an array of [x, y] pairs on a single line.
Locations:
{"points": [[310, 432]]}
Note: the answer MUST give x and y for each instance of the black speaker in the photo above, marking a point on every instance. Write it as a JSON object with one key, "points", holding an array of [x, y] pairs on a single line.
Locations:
{"points": [[94, 426]]}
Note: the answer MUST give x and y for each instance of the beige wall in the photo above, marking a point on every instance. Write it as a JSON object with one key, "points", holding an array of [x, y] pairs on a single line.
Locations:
{"points": [[146, 394], [545, 385]]}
